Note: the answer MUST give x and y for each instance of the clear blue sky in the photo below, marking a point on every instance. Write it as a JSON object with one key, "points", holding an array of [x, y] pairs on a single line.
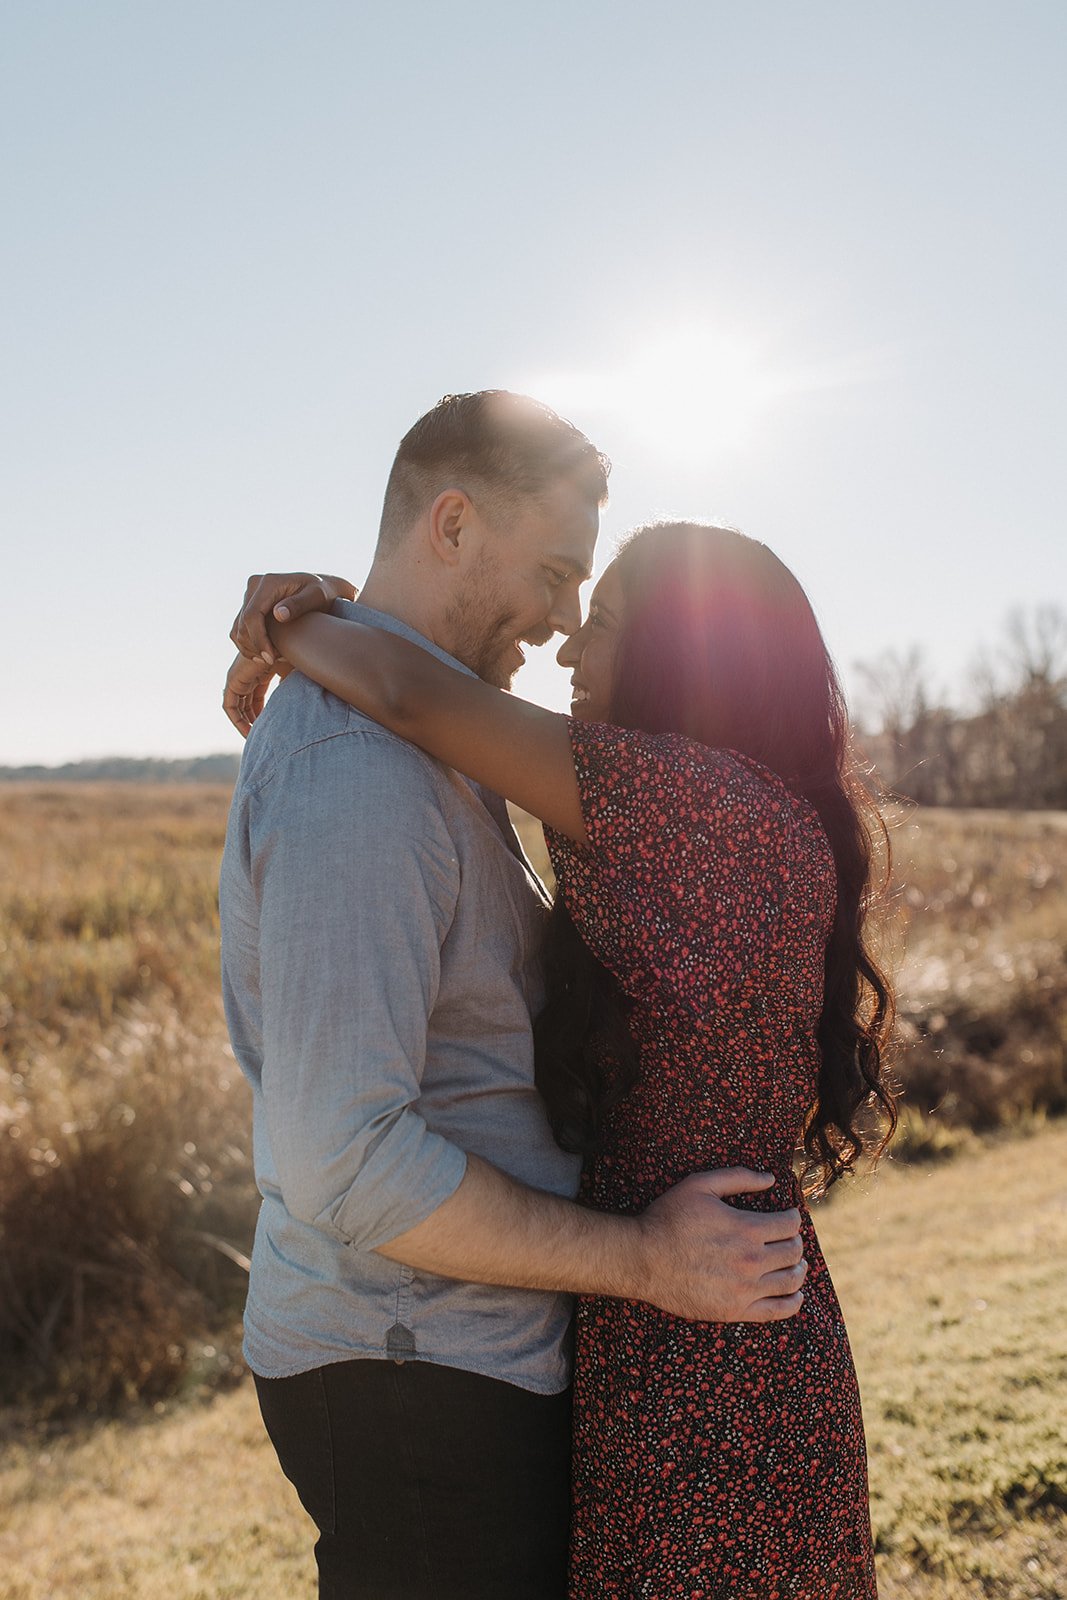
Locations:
{"points": [[799, 266]]}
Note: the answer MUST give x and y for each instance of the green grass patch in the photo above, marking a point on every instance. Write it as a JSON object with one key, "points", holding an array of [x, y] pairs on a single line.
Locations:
{"points": [[956, 1300]]}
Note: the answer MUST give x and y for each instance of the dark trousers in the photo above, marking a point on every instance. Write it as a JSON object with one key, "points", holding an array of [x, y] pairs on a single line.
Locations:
{"points": [[426, 1483]]}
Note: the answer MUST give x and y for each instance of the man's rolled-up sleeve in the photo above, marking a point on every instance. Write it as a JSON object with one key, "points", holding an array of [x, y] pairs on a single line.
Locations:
{"points": [[357, 877]]}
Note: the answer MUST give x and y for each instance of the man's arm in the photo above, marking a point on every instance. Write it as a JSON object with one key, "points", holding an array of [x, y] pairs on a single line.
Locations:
{"points": [[357, 882], [689, 1253], [355, 879]]}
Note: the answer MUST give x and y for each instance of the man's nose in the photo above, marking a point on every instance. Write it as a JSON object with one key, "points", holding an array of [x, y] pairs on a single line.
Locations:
{"points": [[566, 613], [569, 652]]}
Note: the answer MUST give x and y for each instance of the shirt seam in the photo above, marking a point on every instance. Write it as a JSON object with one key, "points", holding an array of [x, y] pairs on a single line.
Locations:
{"points": [[435, 769]]}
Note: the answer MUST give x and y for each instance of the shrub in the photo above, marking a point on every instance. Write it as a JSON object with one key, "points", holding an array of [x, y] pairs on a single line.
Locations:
{"points": [[126, 1197]]}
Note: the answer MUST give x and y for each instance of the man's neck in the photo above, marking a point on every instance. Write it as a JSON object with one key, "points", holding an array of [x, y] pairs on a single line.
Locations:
{"points": [[383, 591]]}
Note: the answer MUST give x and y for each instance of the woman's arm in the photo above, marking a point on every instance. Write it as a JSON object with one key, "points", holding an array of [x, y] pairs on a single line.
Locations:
{"points": [[512, 747]]}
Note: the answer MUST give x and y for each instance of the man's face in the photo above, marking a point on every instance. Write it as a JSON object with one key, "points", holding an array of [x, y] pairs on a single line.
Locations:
{"points": [[523, 581]]}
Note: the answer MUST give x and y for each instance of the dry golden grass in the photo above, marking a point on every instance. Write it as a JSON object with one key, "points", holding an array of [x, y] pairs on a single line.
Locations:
{"points": [[979, 934], [123, 1119], [186, 1504]]}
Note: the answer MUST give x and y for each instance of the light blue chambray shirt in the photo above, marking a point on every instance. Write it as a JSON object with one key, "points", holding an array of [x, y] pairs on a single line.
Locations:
{"points": [[380, 938]]}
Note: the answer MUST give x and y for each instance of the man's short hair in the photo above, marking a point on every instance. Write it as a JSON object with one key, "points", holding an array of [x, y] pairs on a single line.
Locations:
{"points": [[493, 444]]}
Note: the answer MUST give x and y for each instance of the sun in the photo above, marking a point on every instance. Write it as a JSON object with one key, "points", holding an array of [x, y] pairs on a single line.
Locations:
{"points": [[694, 391]]}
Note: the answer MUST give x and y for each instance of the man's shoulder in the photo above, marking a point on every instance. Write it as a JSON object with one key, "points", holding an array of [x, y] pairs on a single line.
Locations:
{"points": [[304, 726]]}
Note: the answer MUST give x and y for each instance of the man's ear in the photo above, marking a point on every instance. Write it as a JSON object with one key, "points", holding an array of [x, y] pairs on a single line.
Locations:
{"points": [[452, 526]]}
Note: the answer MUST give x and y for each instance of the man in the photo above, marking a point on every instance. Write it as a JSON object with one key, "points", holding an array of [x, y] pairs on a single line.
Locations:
{"points": [[408, 1303]]}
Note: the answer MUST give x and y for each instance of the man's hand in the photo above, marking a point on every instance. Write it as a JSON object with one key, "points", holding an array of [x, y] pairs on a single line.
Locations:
{"points": [[246, 689], [709, 1262], [285, 595], [690, 1253]]}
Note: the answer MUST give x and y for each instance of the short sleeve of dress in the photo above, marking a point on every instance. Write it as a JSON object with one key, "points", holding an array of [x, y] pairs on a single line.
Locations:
{"points": [[689, 858]]}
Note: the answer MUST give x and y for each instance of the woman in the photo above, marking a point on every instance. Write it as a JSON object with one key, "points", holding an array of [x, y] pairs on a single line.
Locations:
{"points": [[712, 1004]]}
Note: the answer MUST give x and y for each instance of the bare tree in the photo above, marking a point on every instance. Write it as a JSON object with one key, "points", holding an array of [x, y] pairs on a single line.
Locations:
{"points": [[897, 716], [1036, 646], [1010, 750]]}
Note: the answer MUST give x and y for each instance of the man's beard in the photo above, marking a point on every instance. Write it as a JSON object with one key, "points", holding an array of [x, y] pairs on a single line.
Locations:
{"points": [[482, 629], [481, 644]]}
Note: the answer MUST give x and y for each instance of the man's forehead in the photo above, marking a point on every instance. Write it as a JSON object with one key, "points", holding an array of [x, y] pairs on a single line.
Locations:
{"points": [[573, 525]]}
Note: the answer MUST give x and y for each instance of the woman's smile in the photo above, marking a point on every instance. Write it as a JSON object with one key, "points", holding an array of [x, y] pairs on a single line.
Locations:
{"points": [[591, 651]]}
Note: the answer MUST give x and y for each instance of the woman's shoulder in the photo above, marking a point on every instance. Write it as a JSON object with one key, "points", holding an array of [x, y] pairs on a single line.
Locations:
{"points": [[676, 755], [635, 785]]}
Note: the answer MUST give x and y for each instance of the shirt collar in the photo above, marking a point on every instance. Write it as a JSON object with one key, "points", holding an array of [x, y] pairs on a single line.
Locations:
{"points": [[494, 804], [355, 611]]}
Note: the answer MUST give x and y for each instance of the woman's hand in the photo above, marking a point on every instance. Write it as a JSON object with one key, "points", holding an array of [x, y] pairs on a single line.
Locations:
{"points": [[246, 689], [285, 595]]}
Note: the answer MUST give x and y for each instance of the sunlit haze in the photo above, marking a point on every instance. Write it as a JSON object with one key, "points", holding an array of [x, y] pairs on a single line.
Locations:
{"points": [[692, 393], [799, 269]]}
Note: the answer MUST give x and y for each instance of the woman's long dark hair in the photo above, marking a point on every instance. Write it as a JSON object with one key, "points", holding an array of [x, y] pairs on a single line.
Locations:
{"points": [[718, 642]]}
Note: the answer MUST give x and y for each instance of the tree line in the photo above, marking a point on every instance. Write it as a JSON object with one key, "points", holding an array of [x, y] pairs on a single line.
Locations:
{"points": [[1007, 748], [130, 769]]}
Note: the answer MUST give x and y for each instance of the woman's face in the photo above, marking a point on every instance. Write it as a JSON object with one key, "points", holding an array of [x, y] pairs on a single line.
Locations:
{"points": [[591, 651]]}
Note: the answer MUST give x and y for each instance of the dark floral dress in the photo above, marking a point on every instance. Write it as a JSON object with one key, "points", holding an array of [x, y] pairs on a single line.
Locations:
{"points": [[714, 1461]]}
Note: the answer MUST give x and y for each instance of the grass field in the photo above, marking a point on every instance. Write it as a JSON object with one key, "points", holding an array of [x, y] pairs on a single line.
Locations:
{"points": [[953, 1286], [125, 1183], [126, 1204]]}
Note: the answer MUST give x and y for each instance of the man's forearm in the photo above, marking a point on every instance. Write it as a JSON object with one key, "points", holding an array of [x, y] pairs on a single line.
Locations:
{"points": [[689, 1254], [493, 1229]]}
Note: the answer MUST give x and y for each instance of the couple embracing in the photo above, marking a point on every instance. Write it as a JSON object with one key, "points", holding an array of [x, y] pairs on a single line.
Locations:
{"points": [[471, 1105]]}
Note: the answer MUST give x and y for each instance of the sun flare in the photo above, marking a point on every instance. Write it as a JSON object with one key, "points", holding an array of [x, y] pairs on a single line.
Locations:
{"points": [[693, 391]]}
